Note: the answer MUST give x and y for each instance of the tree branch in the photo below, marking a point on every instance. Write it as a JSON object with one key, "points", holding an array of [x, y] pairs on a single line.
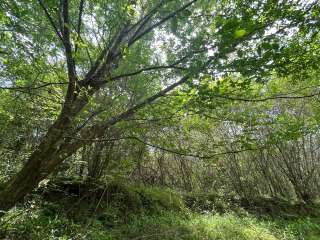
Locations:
{"points": [[267, 98], [165, 19], [50, 20], [174, 151], [143, 21], [154, 68], [113, 53], [68, 50], [33, 88], [81, 7]]}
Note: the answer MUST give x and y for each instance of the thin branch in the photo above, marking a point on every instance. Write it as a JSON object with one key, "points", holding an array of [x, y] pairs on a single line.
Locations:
{"points": [[146, 70], [147, 101], [50, 20], [193, 155], [155, 68], [165, 19], [174, 151], [81, 7], [267, 98], [143, 21], [34, 88]]}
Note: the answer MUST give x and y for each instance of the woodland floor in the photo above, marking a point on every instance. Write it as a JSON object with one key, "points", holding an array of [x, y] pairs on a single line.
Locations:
{"points": [[77, 211]]}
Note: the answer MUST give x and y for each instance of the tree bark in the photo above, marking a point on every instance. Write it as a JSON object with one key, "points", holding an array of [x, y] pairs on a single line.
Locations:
{"points": [[55, 147], [50, 152]]}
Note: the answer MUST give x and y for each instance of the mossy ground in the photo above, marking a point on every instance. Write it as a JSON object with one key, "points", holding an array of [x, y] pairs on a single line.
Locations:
{"points": [[138, 212]]}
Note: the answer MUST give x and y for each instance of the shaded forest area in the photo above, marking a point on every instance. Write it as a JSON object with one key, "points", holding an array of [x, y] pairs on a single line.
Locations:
{"points": [[160, 119]]}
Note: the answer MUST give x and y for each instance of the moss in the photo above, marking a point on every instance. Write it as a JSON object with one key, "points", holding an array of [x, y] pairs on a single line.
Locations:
{"points": [[137, 198], [126, 198], [123, 196], [156, 199]]}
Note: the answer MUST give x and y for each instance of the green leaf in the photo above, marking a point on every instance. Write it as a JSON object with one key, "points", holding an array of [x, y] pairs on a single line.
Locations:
{"points": [[240, 33]]}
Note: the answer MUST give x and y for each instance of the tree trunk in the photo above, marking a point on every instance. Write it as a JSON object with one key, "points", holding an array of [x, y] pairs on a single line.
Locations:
{"points": [[54, 148], [40, 164], [24, 182]]}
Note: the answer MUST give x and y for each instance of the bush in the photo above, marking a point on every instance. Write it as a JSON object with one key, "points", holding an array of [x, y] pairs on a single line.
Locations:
{"points": [[203, 203], [123, 197]]}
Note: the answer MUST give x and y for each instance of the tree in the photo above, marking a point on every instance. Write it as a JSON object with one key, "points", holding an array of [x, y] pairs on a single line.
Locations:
{"points": [[90, 53]]}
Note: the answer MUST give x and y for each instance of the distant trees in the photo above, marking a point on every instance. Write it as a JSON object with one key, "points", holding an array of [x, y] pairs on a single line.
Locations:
{"points": [[252, 148]]}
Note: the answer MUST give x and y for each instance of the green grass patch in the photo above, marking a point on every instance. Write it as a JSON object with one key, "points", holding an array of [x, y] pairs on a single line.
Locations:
{"points": [[136, 212]]}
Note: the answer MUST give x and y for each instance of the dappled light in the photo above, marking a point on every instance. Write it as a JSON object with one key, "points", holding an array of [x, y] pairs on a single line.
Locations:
{"points": [[160, 119]]}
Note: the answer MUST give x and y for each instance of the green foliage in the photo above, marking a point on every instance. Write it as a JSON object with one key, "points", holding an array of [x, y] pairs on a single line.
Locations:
{"points": [[163, 214], [304, 228], [168, 225], [230, 227], [123, 197], [155, 199], [245, 123], [36, 224], [195, 227], [201, 202]]}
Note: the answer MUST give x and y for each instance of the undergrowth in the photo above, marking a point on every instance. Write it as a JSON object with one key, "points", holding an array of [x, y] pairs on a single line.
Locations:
{"points": [[149, 213]]}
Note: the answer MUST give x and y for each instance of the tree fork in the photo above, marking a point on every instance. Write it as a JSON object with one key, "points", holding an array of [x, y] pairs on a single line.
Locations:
{"points": [[55, 147]]}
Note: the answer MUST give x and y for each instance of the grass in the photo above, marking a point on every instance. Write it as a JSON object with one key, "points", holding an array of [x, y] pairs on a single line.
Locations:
{"points": [[161, 226], [156, 214]]}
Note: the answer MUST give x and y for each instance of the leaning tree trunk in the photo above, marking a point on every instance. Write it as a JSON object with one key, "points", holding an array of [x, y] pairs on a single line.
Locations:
{"points": [[24, 182], [55, 147], [41, 163]]}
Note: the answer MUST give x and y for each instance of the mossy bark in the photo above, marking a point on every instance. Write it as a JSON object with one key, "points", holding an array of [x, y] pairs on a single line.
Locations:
{"points": [[40, 164]]}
